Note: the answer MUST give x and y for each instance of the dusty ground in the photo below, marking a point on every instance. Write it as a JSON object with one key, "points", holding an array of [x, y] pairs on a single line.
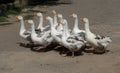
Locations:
{"points": [[104, 18]]}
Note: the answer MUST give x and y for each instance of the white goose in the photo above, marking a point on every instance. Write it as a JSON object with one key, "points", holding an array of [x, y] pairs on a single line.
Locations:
{"points": [[43, 40], [99, 43], [23, 32], [40, 25], [69, 41], [59, 27], [55, 18], [76, 29], [54, 33]]}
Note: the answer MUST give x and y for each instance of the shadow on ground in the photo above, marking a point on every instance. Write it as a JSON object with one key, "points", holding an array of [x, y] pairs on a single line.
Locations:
{"points": [[60, 49]]}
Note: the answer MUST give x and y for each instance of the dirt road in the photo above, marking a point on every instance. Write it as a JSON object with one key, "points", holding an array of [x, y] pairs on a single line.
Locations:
{"points": [[104, 18]]}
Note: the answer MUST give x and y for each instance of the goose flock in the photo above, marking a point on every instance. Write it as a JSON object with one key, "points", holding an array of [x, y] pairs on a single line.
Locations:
{"points": [[57, 32]]}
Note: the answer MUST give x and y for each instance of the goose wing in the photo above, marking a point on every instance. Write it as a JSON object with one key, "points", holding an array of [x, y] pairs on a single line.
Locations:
{"points": [[75, 39], [75, 44], [99, 37], [47, 38], [60, 36], [105, 41], [47, 28]]}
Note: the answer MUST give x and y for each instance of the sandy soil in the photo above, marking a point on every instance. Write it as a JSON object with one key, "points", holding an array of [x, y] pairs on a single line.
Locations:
{"points": [[104, 18]]}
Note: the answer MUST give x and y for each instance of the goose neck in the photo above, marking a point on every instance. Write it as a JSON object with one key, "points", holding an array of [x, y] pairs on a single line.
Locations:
{"points": [[55, 19], [87, 29], [52, 29], [76, 24], [40, 26], [22, 25], [65, 30], [33, 29], [64, 33], [51, 23]]}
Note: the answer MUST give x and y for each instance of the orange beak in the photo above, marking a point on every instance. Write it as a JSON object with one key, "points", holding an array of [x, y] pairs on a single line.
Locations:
{"points": [[17, 17], [81, 19], [35, 14]]}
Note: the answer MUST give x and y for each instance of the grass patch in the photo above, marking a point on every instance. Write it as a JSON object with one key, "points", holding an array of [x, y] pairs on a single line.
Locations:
{"points": [[3, 19], [13, 11]]}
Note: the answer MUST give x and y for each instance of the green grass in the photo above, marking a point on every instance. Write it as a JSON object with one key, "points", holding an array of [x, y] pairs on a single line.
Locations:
{"points": [[13, 11], [3, 19]]}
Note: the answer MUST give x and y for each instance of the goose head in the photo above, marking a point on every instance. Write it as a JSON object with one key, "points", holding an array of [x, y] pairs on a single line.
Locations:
{"points": [[84, 20], [49, 18], [54, 12], [73, 15], [64, 24], [55, 18], [62, 21], [60, 16], [40, 24], [19, 17], [38, 14]]}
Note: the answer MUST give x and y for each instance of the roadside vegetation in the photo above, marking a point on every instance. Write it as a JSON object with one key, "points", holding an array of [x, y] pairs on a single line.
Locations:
{"points": [[9, 7]]}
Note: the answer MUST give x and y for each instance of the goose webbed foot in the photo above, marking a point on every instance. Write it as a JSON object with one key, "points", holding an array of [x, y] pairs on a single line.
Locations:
{"points": [[40, 48], [64, 53], [30, 44], [67, 53]]}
